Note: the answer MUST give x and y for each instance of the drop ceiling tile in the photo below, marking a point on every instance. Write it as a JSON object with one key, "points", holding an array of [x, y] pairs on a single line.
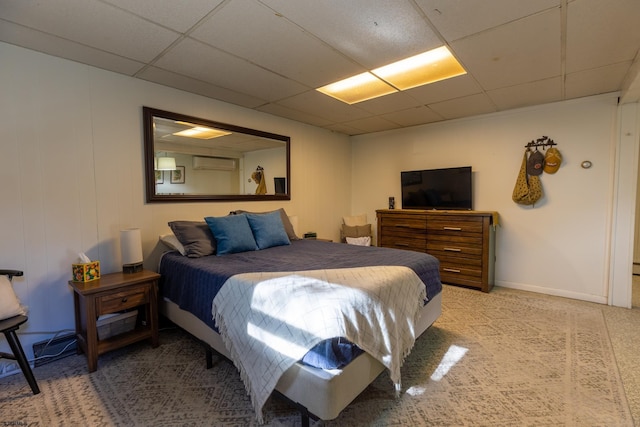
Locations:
{"points": [[413, 116], [315, 103], [299, 116], [540, 92], [456, 19], [52, 45], [92, 23], [188, 84], [171, 14], [372, 33], [601, 33], [195, 59], [446, 89], [372, 124], [343, 128], [519, 52], [596, 81], [463, 107], [250, 30], [389, 103]]}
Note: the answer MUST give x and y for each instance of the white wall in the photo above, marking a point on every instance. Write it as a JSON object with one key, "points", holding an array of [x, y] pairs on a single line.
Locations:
{"points": [[72, 175], [561, 246]]}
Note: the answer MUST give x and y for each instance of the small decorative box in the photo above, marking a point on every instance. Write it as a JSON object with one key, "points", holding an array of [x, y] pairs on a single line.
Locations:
{"points": [[86, 272]]}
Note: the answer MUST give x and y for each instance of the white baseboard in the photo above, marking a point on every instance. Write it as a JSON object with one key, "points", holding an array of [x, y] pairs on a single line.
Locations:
{"points": [[555, 292]]}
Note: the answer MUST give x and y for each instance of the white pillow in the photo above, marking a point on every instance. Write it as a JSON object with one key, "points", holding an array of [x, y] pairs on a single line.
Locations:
{"points": [[359, 241], [172, 241], [9, 303], [352, 221]]}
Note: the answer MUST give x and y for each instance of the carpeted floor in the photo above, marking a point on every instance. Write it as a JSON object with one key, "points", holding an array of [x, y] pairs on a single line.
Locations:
{"points": [[507, 358]]}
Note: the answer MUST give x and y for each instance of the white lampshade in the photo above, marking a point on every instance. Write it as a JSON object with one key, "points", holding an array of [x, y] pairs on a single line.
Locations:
{"points": [[166, 164], [131, 246]]}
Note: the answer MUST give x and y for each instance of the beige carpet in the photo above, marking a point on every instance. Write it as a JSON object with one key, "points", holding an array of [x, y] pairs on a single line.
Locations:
{"points": [[500, 359]]}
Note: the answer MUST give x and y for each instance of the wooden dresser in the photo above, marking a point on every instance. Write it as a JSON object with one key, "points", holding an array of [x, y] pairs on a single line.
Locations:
{"points": [[463, 241]]}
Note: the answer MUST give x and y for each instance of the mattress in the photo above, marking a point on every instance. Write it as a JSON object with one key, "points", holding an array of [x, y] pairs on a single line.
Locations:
{"points": [[193, 283], [189, 285]]}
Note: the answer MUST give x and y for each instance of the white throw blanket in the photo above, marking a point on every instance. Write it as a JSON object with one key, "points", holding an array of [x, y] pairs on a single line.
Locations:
{"points": [[269, 321]]}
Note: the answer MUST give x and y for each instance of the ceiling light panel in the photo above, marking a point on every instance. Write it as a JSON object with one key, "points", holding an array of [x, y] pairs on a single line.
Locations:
{"points": [[200, 132], [428, 67], [357, 88]]}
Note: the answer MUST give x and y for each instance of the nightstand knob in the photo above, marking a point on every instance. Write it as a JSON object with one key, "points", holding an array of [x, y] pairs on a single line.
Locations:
{"points": [[125, 299]]}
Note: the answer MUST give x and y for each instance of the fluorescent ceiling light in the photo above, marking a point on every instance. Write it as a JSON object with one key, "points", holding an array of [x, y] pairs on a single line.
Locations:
{"points": [[428, 67], [200, 132], [357, 88]]}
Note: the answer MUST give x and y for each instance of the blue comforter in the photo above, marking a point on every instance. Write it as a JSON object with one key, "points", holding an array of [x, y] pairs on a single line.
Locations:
{"points": [[193, 283]]}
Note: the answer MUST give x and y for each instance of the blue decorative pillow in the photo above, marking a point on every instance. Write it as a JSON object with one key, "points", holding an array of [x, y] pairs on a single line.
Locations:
{"points": [[268, 229], [232, 234]]}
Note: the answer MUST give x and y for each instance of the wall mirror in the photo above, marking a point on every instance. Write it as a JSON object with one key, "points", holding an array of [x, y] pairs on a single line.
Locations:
{"points": [[189, 159]]}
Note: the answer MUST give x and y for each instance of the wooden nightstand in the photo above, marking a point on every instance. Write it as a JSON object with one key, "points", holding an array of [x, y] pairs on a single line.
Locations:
{"points": [[114, 293]]}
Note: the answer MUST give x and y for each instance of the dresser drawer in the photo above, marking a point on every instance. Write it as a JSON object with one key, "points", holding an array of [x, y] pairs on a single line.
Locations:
{"points": [[458, 243], [465, 255], [403, 221], [119, 301], [403, 242], [460, 278], [455, 225]]}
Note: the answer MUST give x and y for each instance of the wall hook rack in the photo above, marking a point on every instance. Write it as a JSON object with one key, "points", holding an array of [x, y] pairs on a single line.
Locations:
{"points": [[543, 142]]}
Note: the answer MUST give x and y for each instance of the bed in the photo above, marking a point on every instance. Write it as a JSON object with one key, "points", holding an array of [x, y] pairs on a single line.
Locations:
{"points": [[329, 376]]}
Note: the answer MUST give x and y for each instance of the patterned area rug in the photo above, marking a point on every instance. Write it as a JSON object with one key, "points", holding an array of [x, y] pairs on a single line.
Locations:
{"points": [[498, 359]]}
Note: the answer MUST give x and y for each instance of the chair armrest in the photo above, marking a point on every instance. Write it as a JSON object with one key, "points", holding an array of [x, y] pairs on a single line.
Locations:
{"points": [[10, 273]]}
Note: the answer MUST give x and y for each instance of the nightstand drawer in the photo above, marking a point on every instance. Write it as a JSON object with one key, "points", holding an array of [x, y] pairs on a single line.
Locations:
{"points": [[122, 300]]}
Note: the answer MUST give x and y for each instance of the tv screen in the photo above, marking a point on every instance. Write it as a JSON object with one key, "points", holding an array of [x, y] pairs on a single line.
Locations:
{"points": [[448, 188]]}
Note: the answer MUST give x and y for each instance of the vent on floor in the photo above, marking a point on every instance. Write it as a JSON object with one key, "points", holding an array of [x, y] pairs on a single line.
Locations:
{"points": [[57, 348]]}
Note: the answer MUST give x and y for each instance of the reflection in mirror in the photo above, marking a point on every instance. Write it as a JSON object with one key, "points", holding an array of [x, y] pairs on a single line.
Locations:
{"points": [[193, 159]]}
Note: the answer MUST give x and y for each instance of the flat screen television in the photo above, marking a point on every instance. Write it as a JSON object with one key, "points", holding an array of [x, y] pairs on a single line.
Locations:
{"points": [[448, 188]]}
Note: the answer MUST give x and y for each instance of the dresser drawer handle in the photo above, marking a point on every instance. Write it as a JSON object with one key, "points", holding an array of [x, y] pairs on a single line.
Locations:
{"points": [[453, 249], [453, 228], [402, 244], [451, 270], [125, 299]]}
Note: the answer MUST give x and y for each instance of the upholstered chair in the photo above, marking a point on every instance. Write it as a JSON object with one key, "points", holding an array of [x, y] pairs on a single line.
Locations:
{"points": [[12, 315]]}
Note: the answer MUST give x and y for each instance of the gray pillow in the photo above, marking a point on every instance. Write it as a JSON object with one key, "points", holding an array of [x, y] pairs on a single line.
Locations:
{"points": [[195, 236], [288, 227], [355, 231]]}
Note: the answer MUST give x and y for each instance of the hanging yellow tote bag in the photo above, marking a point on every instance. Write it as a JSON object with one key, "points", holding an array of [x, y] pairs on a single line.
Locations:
{"points": [[528, 189]]}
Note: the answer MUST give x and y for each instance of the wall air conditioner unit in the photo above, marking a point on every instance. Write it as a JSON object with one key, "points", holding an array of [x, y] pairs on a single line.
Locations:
{"points": [[213, 163]]}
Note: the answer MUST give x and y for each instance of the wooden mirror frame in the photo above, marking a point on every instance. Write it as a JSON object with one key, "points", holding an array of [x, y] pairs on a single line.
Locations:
{"points": [[148, 115]]}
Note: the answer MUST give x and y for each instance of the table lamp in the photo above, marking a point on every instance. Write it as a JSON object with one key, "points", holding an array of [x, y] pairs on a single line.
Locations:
{"points": [[131, 248]]}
